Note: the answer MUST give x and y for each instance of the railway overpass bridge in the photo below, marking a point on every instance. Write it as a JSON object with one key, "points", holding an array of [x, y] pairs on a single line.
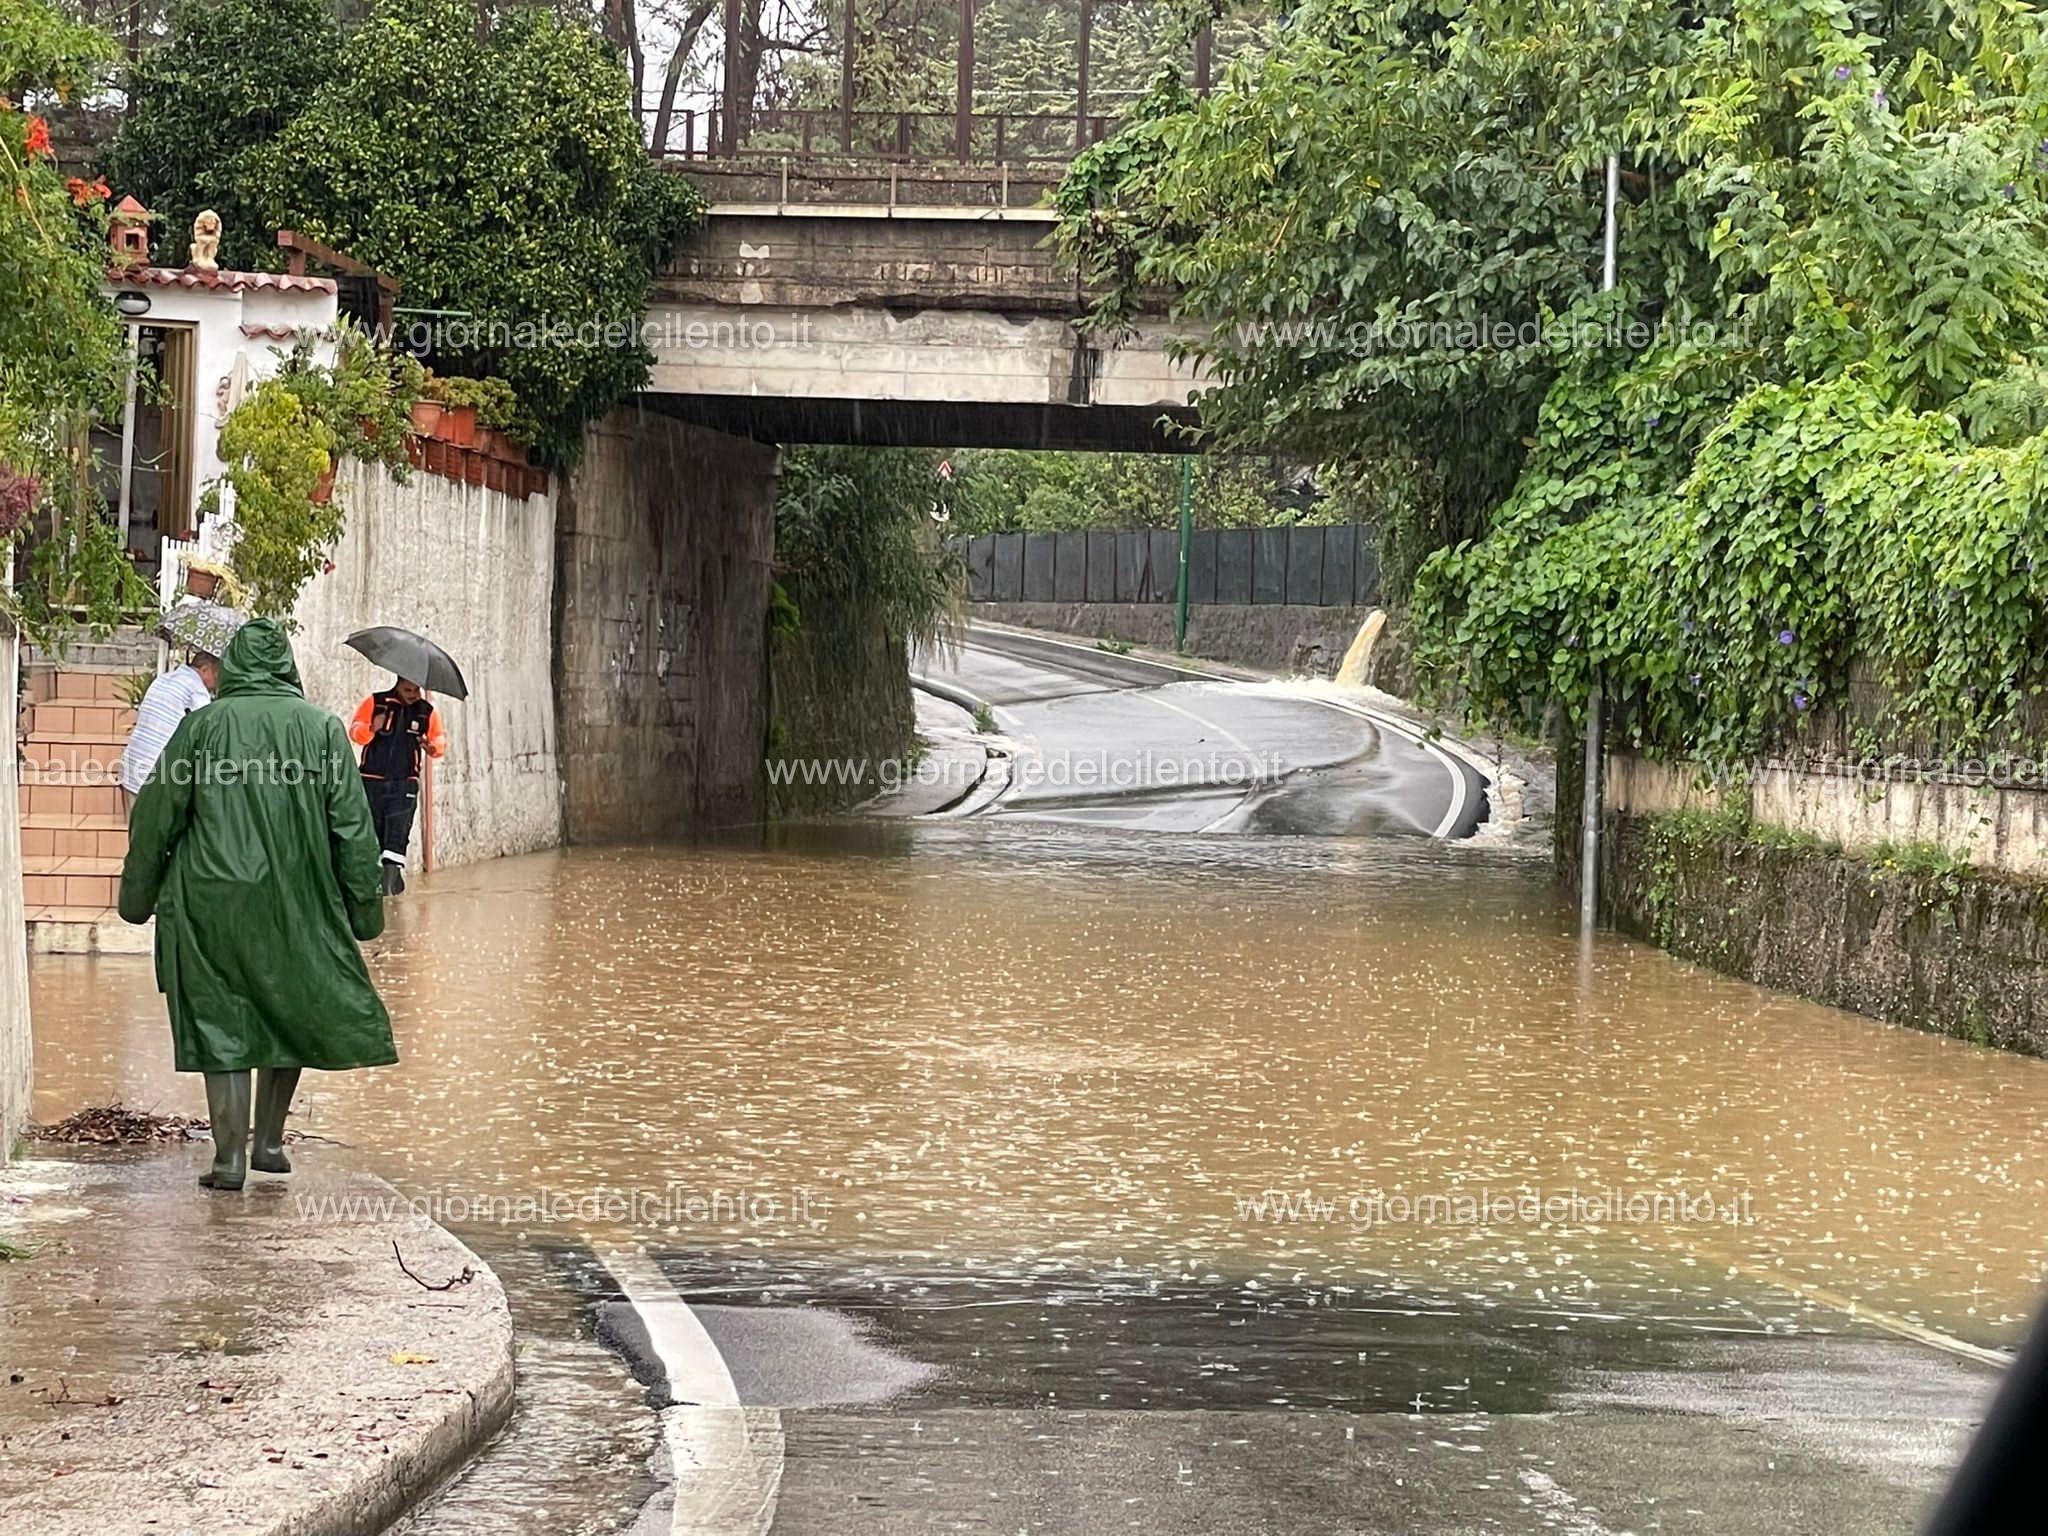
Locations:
{"points": [[902, 306]]}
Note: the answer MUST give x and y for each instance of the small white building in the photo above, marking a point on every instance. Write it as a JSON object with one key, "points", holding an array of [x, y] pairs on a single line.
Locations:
{"points": [[201, 335]]}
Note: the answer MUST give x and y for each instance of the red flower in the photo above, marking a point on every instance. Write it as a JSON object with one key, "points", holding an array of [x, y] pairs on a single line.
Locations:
{"points": [[38, 138], [83, 192]]}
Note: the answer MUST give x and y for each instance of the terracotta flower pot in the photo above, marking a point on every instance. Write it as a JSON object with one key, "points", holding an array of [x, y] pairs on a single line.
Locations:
{"points": [[536, 482], [323, 488], [426, 416], [202, 584], [367, 426], [415, 450], [458, 425], [473, 466]]}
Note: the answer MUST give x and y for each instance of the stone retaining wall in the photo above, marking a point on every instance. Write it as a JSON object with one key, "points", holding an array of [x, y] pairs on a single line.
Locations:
{"points": [[1787, 880]]}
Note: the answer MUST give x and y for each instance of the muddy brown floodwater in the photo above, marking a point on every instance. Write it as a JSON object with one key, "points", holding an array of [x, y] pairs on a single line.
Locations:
{"points": [[1083, 1050]]}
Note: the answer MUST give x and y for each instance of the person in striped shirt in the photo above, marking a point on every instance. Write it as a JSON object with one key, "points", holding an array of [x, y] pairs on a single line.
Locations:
{"points": [[170, 699]]}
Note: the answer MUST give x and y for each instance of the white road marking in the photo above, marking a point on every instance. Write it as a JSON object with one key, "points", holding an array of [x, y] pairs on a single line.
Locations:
{"points": [[726, 1458], [1460, 790], [1560, 1510]]}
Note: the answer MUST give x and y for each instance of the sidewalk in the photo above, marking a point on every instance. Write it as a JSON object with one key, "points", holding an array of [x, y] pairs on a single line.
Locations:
{"points": [[180, 1362]]}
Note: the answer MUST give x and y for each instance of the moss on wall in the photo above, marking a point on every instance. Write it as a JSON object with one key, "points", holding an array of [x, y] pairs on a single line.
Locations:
{"points": [[839, 705], [1910, 935]]}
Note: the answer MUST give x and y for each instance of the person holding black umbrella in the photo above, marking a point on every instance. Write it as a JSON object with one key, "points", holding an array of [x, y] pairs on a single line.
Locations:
{"points": [[394, 728]]}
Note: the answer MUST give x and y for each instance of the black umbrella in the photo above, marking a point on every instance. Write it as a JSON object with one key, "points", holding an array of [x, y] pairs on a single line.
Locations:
{"points": [[413, 657]]}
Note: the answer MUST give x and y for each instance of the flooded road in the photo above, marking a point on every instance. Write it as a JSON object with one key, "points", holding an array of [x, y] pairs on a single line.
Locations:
{"points": [[1056, 1177]]}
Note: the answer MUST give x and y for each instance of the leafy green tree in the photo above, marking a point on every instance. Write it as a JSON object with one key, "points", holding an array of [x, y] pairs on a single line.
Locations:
{"points": [[1010, 491], [854, 532], [228, 77], [1827, 338], [861, 575], [62, 357], [502, 180]]}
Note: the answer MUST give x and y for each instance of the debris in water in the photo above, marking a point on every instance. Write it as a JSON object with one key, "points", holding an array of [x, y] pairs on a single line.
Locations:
{"points": [[116, 1125]]}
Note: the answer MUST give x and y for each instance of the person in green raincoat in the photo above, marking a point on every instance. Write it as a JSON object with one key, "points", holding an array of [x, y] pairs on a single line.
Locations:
{"points": [[252, 845]]}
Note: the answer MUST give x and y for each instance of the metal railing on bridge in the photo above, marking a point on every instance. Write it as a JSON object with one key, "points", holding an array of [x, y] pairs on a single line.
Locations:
{"points": [[738, 124], [907, 138]]}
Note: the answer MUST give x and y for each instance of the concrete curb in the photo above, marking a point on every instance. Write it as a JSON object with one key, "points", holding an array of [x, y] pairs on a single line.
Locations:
{"points": [[245, 1365], [951, 694]]}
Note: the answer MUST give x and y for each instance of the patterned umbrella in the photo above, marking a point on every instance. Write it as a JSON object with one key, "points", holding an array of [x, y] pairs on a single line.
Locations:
{"points": [[201, 625]]}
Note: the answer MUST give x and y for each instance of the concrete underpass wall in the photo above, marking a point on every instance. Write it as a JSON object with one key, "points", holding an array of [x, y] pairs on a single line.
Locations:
{"points": [[14, 1035], [664, 541], [473, 569]]}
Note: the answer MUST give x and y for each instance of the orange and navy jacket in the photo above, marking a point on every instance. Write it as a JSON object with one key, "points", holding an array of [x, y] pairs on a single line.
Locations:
{"points": [[392, 733]]}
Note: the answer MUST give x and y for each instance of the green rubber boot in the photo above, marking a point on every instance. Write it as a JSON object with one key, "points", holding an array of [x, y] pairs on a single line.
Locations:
{"points": [[274, 1089], [227, 1107]]}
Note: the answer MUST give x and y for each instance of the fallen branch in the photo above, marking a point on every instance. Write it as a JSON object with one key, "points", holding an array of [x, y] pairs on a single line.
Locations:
{"points": [[468, 1273]]}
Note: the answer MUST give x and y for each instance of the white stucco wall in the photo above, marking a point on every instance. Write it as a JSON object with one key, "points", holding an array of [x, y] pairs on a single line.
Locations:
{"points": [[473, 570], [2001, 827], [14, 1036]]}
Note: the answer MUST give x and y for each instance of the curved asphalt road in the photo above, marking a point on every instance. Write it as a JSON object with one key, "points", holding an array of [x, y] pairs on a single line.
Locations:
{"points": [[1124, 741]]}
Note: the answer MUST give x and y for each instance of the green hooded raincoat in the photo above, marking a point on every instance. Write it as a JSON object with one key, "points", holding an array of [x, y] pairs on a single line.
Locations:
{"points": [[252, 844]]}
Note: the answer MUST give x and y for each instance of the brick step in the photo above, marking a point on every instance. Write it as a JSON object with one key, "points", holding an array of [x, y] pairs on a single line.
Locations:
{"points": [[73, 752], [99, 719], [80, 686], [70, 864], [72, 914], [53, 795], [96, 883], [63, 837]]}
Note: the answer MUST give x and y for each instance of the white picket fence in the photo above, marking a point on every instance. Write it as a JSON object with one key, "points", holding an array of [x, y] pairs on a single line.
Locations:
{"points": [[209, 543]]}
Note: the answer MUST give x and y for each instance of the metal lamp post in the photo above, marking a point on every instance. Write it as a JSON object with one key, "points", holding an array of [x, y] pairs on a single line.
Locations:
{"points": [[1589, 834]]}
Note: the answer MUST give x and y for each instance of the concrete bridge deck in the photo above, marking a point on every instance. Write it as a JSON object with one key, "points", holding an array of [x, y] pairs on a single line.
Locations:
{"points": [[904, 321]]}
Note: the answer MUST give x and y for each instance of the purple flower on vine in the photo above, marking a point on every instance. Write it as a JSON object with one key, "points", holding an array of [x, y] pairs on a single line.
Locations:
{"points": [[1800, 701], [1841, 71], [2011, 191], [19, 494], [1653, 420], [1881, 99], [1786, 637], [1695, 678], [1688, 626]]}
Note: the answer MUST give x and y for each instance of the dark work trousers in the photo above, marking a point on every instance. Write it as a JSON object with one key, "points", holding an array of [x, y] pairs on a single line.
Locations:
{"points": [[392, 803]]}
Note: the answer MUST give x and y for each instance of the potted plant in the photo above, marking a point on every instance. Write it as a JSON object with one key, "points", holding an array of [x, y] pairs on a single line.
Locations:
{"points": [[426, 415], [460, 399], [473, 467]]}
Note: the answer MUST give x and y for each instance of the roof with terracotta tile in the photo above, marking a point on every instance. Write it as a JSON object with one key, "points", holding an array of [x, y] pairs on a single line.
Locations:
{"points": [[234, 282]]}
